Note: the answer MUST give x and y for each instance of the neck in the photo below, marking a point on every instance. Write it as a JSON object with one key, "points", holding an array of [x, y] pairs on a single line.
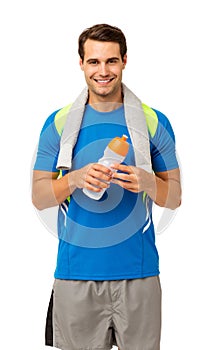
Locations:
{"points": [[105, 103], [105, 106]]}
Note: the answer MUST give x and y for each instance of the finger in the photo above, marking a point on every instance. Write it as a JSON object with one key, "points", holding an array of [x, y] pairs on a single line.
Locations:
{"points": [[100, 175], [98, 171], [92, 188], [122, 176], [101, 168], [96, 182], [133, 187], [123, 168], [97, 179]]}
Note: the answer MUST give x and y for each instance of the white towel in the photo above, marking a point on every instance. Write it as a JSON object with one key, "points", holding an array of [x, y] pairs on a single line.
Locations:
{"points": [[136, 124]]}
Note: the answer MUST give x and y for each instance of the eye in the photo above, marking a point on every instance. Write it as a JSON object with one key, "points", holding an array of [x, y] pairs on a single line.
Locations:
{"points": [[93, 62], [112, 60]]}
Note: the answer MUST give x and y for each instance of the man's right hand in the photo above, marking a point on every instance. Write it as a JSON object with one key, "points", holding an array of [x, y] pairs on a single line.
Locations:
{"points": [[93, 176]]}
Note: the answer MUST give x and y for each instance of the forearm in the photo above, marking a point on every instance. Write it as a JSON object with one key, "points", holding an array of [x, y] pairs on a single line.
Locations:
{"points": [[49, 192], [164, 193]]}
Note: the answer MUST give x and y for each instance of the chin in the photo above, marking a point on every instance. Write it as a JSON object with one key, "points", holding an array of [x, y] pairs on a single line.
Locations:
{"points": [[103, 91]]}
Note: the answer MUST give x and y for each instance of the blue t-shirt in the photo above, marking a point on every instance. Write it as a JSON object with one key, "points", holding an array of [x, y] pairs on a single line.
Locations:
{"points": [[112, 238]]}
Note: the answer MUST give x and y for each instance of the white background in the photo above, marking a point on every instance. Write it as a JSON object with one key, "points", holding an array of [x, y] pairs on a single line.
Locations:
{"points": [[170, 67]]}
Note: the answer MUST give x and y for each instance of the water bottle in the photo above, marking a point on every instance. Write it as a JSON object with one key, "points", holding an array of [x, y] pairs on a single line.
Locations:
{"points": [[115, 152]]}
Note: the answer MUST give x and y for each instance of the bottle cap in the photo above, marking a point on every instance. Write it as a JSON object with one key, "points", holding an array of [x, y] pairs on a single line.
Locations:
{"points": [[119, 145], [124, 137]]}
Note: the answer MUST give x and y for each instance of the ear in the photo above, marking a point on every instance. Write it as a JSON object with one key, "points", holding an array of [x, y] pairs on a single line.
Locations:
{"points": [[124, 60], [81, 63]]}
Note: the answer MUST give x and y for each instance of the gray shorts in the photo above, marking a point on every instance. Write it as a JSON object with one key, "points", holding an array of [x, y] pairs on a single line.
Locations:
{"points": [[92, 315]]}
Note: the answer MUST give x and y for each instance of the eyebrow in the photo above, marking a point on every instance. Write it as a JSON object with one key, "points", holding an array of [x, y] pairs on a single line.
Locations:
{"points": [[108, 59]]}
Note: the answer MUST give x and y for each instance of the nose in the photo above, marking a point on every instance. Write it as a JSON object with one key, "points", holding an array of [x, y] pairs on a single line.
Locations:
{"points": [[103, 69]]}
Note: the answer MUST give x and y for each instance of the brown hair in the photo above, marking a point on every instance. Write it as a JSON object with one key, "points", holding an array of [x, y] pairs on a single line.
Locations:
{"points": [[102, 32]]}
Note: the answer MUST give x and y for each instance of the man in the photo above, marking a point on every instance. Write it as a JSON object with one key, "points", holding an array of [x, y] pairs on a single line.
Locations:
{"points": [[106, 290]]}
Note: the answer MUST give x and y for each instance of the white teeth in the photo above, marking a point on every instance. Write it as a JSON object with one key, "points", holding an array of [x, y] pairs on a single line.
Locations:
{"points": [[103, 81]]}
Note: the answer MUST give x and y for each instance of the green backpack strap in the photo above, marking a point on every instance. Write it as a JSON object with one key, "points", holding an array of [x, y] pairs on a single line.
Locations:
{"points": [[60, 118], [151, 119]]}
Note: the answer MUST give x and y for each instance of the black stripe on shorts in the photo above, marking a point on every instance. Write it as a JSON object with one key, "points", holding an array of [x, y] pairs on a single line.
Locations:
{"points": [[49, 324]]}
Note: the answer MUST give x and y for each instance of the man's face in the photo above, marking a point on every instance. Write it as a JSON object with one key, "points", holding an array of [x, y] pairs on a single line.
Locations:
{"points": [[102, 66]]}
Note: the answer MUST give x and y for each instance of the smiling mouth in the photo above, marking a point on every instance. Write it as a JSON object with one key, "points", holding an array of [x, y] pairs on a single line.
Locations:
{"points": [[103, 81]]}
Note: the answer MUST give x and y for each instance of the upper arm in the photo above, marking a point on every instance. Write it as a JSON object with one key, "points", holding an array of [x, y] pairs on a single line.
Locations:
{"points": [[48, 147], [162, 145], [170, 175], [39, 175], [165, 164]]}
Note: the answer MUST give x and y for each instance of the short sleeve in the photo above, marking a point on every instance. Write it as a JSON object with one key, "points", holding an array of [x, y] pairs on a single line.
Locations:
{"points": [[48, 147], [162, 145]]}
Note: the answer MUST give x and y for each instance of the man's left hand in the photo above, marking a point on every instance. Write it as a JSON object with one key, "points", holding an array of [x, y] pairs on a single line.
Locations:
{"points": [[132, 178]]}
